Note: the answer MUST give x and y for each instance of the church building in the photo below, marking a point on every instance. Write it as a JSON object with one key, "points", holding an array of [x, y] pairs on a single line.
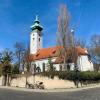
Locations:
{"points": [[39, 56]]}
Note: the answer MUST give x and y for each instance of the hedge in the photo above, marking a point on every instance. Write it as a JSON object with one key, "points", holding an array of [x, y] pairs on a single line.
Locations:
{"points": [[72, 75]]}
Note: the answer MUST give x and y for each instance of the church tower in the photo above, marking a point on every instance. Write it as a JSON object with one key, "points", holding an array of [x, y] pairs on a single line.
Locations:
{"points": [[36, 36]]}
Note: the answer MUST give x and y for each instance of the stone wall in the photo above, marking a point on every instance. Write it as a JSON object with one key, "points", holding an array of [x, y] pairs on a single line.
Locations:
{"points": [[1, 80], [49, 83]]}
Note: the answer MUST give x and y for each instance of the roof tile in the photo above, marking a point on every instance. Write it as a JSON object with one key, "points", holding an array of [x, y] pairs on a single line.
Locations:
{"points": [[53, 52]]}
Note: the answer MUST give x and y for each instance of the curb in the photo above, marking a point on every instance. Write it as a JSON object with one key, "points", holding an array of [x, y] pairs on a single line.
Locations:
{"points": [[49, 90]]}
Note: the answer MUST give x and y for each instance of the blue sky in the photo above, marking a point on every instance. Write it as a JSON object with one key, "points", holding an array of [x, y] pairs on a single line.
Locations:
{"points": [[16, 17]]}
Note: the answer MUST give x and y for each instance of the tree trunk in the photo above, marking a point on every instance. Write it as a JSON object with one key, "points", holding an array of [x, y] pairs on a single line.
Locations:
{"points": [[5, 79]]}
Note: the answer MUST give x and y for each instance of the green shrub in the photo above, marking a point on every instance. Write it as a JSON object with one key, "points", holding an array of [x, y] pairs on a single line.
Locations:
{"points": [[72, 75]]}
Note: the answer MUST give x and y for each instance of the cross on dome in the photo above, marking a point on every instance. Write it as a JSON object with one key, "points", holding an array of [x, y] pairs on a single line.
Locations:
{"points": [[37, 18], [36, 24]]}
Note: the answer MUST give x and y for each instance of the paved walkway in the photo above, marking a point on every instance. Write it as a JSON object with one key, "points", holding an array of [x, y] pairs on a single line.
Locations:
{"points": [[50, 90]]}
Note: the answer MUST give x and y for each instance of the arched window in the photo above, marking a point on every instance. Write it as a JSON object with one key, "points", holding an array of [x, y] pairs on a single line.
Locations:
{"points": [[39, 39]]}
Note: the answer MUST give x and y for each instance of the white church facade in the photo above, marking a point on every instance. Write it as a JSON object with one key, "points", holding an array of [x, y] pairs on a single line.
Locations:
{"points": [[40, 55]]}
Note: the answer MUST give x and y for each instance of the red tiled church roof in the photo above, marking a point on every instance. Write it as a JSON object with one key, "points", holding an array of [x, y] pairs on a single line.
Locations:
{"points": [[53, 52]]}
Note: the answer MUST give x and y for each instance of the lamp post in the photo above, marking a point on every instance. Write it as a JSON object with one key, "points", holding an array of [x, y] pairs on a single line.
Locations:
{"points": [[74, 56], [76, 75]]}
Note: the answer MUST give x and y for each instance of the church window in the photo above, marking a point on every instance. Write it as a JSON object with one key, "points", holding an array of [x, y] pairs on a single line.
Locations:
{"points": [[39, 39]]}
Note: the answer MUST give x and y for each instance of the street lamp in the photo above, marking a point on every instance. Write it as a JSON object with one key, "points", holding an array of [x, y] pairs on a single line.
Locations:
{"points": [[76, 75], [75, 55]]}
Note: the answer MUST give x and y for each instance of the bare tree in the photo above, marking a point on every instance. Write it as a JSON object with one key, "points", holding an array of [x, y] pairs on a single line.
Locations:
{"points": [[74, 54], [27, 59], [27, 63], [80, 42], [19, 52], [65, 36], [63, 29], [95, 50]]}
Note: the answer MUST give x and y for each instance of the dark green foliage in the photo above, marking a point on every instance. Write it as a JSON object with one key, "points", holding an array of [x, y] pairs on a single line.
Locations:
{"points": [[15, 69], [50, 74], [92, 76], [6, 60], [34, 68], [72, 75], [7, 69], [6, 65], [38, 69], [60, 67], [43, 67], [81, 76], [50, 65]]}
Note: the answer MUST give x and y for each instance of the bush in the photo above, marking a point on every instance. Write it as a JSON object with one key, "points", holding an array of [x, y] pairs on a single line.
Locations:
{"points": [[50, 74], [15, 69], [72, 75]]}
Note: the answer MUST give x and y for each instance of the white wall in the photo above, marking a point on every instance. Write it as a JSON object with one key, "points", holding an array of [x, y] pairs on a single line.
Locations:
{"points": [[41, 61], [84, 64], [35, 44]]}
